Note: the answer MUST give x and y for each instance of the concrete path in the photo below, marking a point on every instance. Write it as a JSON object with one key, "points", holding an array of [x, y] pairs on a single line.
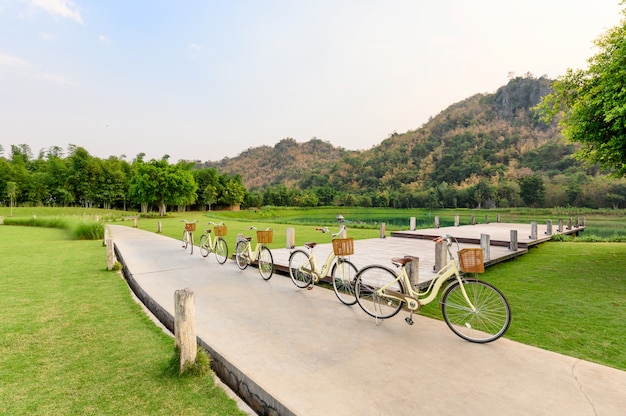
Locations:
{"points": [[292, 351]]}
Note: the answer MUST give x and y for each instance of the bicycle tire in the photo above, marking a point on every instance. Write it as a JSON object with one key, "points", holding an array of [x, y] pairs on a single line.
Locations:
{"points": [[266, 263], [185, 240], [368, 281], [487, 323], [343, 275], [221, 250], [300, 268], [205, 249], [241, 254]]}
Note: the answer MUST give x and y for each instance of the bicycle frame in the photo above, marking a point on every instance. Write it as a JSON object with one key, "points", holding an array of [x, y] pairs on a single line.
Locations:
{"points": [[253, 255], [316, 273], [415, 298]]}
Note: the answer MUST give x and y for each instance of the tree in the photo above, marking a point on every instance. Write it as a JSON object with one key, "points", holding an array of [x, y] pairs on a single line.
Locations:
{"points": [[532, 190], [593, 103]]}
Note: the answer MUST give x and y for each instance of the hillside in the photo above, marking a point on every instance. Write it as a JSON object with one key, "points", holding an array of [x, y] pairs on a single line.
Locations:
{"points": [[481, 136]]}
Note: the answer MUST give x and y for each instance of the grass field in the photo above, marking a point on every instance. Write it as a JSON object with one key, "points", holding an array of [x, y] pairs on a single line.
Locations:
{"points": [[74, 342]]}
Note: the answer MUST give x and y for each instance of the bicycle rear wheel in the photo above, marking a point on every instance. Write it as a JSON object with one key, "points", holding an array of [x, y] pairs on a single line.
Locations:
{"points": [[205, 249], [221, 250], [343, 275], [266, 263], [490, 319], [300, 269], [241, 254], [368, 281]]}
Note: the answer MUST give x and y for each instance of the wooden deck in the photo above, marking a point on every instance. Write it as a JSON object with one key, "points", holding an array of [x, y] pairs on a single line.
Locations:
{"points": [[419, 243]]}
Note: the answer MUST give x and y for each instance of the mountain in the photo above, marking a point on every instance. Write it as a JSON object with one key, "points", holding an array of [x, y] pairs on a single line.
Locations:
{"points": [[483, 136]]}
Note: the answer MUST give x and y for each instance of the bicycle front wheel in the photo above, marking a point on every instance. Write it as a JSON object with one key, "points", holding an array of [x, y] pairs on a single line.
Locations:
{"points": [[241, 254], [300, 269], [368, 282], [343, 275], [487, 322], [266, 263], [205, 249], [221, 250], [185, 240]]}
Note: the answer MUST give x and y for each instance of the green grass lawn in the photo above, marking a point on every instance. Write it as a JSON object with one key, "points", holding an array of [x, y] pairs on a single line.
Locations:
{"points": [[74, 342]]}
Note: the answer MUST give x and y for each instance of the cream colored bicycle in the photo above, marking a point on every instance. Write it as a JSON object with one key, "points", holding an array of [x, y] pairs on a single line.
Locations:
{"points": [[474, 310], [244, 255], [305, 273]]}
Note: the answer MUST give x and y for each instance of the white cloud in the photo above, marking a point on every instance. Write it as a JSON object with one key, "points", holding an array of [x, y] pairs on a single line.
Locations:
{"points": [[104, 39], [48, 37], [63, 8], [26, 69], [13, 61]]}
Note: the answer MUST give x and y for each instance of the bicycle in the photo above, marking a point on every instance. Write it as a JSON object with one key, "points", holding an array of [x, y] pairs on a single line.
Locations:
{"points": [[474, 310], [304, 272], [217, 246], [244, 255], [190, 227]]}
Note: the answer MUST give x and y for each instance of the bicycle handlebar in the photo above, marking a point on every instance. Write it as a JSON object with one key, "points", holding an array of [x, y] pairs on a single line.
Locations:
{"points": [[189, 222], [326, 230]]}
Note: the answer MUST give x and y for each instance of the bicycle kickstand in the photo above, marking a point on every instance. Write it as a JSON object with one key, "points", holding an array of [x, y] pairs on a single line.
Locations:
{"points": [[409, 319]]}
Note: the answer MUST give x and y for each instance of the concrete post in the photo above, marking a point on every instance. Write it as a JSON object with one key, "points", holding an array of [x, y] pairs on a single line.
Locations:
{"points": [[185, 327], [135, 222], [159, 227], [549, 227], [487, 219], [569, 223], [413, 271], [513, 245], [533, 230], [456, 221], [291, 238], [441, 255], [498, 218], [110, 254], [412, 224], [436, 222], [485, 244], [382, 230], [473, 220], [559, 227]]}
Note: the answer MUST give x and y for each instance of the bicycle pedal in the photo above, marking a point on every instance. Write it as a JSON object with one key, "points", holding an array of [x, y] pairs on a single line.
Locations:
{"points": [[409, 321], [309, 287]]}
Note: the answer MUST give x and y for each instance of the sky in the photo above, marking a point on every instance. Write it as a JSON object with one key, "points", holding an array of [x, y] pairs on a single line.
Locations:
{"points": [[207, 79]]}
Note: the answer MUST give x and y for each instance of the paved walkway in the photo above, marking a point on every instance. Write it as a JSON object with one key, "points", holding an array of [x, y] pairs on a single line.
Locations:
{"points": [[291, 351]]}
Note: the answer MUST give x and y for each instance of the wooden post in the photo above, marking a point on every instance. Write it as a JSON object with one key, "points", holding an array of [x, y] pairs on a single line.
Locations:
{"points": [[473, 220], [413, 271], [487, 219], [513, 245], [159, 227], [291, 238], [576, 222], [549, 227], [436, 222], [110, 254], [441, 255], [582, 221], [185, 327], [559, 227], [135, 222], [498, 218], [485, 244], [456, 221], [533, 230], [382, 230], [569, 223], [412, 224]]}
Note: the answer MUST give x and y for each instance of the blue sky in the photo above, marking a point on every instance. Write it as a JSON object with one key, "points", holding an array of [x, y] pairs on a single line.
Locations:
{"points": [[204, 79]]}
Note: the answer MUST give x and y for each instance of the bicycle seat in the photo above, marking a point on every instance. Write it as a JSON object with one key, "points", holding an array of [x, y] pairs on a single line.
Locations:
{"points": [[207, 231], [248, 238], [401, 261], [310, 244]]}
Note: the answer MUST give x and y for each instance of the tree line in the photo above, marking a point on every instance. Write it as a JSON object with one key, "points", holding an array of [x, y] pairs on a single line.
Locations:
{"points": [[80, 179]]}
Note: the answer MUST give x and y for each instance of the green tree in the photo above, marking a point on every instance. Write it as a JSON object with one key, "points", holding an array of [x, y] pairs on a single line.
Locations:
{"points": [[532, 190], [593, 103], [234, 192]]}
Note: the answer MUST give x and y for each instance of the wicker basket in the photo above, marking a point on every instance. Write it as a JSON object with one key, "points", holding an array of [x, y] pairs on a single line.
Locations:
{"points": [[471, 260], [220, 230], [190, 226], [343, 246], [265, 237]]}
